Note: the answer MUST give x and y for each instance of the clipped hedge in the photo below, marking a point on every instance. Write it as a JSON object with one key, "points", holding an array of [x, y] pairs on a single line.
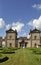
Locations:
{"points": [[37, 51], [4, 59]]}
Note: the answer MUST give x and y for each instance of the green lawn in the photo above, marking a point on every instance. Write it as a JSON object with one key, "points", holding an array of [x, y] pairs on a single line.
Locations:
{"points": [[26, 56]]}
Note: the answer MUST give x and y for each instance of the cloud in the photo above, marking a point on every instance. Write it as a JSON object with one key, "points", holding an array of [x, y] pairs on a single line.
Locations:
{"points": [[35, 23], [28, 36], [15, 25], [24, 34], [2, 23], [8, 26], [18, 26], [37, 6]]}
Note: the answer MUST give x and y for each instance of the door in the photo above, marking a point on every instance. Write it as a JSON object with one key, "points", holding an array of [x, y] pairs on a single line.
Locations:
{"points": [[22, 44]]}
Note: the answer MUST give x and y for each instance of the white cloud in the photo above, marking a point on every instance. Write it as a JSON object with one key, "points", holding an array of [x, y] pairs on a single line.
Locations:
{"points": [[35, 23], [37, 6], [28, 36], [2, 23], [8, 26], [18, 26], [24, 34], [30, 23]]}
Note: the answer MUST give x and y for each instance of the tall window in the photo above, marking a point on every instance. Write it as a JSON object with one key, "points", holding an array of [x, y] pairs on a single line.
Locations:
{"points": [[10, 44], [35, 37], [10, 37], [35, 45], [26, 44]]}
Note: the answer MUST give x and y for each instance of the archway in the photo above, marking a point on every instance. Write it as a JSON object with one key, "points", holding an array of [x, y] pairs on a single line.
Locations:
{"points": [[23, 44]]}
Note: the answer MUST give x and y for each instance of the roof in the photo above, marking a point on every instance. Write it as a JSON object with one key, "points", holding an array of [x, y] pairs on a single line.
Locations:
{"points": [[23, 38], [11, 31], [35, 31]]}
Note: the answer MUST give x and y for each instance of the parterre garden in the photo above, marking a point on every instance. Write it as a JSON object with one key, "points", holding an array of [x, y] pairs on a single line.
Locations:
{"points": [[23, 56]]}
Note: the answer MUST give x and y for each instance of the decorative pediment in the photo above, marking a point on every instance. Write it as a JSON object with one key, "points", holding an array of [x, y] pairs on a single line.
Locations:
{"points": [[35, 31], [11, 31]]}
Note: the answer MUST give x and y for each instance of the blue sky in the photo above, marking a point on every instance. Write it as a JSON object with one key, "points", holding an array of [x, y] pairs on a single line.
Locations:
{"points": [[22, 15]]}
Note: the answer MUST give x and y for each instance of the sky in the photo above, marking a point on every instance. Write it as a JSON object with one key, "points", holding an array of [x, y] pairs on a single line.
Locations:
{"points": [[21, 15]]}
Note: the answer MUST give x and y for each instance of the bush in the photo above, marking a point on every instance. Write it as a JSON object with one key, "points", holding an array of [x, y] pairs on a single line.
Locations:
{"points": [[4, 59], [37, 51]]}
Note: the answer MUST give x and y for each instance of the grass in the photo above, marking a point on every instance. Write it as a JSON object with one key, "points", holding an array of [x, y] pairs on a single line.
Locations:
{"points": [[23, 57]]}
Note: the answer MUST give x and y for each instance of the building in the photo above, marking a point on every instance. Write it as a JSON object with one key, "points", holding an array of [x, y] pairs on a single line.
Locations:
{"points": [[23, 42], [0, 41], [11, 39], [35, 38], [33, 41]]}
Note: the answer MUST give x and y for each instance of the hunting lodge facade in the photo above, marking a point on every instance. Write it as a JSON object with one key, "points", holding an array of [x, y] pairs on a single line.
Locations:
{"points": [[11, 39]]}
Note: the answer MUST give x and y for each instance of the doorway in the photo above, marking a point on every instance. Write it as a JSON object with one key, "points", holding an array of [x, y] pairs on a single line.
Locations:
{"points": [[22, 44]]}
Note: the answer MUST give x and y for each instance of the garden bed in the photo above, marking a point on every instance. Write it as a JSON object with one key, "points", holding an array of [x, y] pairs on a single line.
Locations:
{"points": [[4, 59]]}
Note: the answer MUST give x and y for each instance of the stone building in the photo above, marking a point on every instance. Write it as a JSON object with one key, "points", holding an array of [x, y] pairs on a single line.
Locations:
{"points": [[0, 41], [33, 41], [11, 39], [23, 42], [35, 38]]}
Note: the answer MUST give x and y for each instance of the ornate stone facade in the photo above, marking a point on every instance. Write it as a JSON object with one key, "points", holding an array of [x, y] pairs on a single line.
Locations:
{"points": [[11, 39], [35, 38], [23, 42], [33, 41], [0, 41]]}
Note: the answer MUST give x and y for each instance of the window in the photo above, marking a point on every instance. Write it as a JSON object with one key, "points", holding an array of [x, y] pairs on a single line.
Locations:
{"points": [[35, 37], [20, 44], [10, 44], [35, 45], [26, 44], [10, 37]]}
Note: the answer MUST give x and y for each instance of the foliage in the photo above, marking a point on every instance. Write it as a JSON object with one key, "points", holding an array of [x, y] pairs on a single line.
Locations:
{"points": [[22, 56]]}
